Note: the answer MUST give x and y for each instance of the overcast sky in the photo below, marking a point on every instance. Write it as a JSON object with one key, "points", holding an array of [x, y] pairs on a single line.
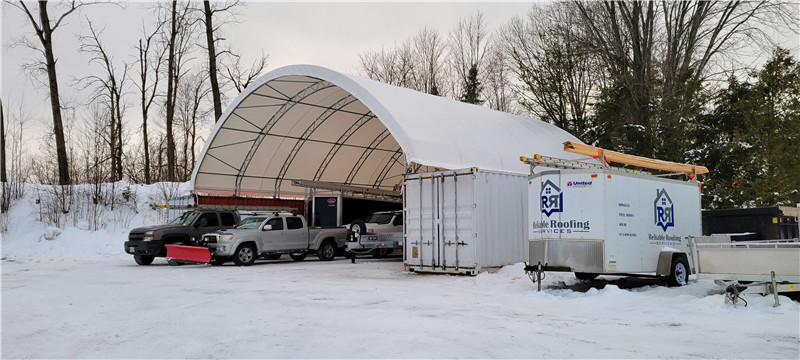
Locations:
{"points": [[327, 34]]}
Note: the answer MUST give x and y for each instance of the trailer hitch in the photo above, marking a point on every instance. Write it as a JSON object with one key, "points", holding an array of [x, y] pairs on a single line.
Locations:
{"points": [[536, 273]]}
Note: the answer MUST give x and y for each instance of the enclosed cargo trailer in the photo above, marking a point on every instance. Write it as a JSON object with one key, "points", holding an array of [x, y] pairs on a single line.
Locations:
{"points": [[464, 221], [596, 219]]}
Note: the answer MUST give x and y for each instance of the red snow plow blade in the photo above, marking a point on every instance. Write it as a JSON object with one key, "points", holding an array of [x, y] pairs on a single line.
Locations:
{"points": [[188, 253]]}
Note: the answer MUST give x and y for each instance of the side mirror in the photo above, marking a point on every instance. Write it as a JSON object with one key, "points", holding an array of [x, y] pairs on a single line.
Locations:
{"points": [[201, 223], [267, 228]]}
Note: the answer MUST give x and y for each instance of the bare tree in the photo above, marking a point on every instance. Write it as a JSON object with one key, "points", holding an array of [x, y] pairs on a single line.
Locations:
{"points": [[429, 52], [557, 75], [44, 29], [178, 42], [659, 54], [149, 60], [3, 173], [190, 113], [468, 45], [212, 37], [239, 76], [108, 89]]}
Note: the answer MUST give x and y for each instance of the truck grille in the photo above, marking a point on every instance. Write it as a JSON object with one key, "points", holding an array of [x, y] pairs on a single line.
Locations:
{"points": [[135, 236]]}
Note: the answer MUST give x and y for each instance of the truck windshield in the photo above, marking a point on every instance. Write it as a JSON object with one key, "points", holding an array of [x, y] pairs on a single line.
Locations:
{"points": [[249, 223], [184, 219], [379, 219]]}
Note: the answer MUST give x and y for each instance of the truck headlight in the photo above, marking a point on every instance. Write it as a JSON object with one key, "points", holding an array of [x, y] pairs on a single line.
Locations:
{"points": [[226, 237], [148, 236]]}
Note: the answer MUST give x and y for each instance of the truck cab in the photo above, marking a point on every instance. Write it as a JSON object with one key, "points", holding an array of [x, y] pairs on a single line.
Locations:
{"points": [[147, 242]]}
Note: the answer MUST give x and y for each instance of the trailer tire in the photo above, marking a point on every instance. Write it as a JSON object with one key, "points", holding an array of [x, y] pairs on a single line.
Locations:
{"points": [[358, 228], [273, 256], [298, 256], [217, 261], [327, 251], [144, 259], [585, 276], [679, 272], [244, 255], [379, 253]]}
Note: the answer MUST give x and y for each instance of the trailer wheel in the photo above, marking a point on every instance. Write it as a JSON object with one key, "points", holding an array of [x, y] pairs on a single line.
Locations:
{"points": [[144, 259], [298, 256], [216, 261], [585, 276], [379, 253], [679, 273], [244, 255], [327, 250], [273, 256]]}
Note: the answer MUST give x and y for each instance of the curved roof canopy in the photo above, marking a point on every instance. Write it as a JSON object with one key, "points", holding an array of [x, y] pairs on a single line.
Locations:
{"points": [[310, 123]]}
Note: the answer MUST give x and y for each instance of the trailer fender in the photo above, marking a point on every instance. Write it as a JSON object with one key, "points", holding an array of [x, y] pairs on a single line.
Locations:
{"points": [[665, 259]]}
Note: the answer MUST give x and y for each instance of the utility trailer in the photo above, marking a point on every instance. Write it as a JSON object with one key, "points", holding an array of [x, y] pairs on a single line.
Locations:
{"points": [[377, 245], [594, 219], [751, 267]]}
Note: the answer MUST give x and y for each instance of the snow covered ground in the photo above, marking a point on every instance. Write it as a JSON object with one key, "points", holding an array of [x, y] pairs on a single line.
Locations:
{"points": [[81, 296]]}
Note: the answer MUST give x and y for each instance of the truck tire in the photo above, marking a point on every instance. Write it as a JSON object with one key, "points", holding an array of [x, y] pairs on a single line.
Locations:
{"points": [[244, 255], [298, 256], [679, 272], [216, 261], [358, 228], [273, 256], [585, 276], [144, 259], [327, 251]]}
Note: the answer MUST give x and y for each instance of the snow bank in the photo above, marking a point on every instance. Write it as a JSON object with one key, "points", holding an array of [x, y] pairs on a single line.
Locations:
{"points": [[30, 238]]}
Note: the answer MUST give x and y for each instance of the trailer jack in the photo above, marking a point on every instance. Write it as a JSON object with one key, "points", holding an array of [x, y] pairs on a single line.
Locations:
{"points": [[536, 273]]}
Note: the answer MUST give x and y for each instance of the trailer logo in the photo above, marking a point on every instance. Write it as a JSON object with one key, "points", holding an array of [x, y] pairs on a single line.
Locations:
{"points": [[663, 210], [552, 198]]}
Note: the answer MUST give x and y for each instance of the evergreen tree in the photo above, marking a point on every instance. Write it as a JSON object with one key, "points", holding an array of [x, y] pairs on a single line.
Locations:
{"points": [[749, 140], [473, 87]]}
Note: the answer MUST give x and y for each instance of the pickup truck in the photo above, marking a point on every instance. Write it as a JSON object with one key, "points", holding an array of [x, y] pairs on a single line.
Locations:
{"points": [[270, 237], [146, 243]]}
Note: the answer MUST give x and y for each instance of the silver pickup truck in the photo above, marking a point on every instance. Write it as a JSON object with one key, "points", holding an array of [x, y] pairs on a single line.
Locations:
{"points": [[272, 236]]}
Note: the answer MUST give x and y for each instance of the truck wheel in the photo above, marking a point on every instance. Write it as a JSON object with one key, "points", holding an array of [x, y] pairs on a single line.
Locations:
{"points": [[244, 255], [144, 259], [273, 256], [585, 276], [298, 256], [216, 261], [679, 273], [358, 228], [327, 250]]}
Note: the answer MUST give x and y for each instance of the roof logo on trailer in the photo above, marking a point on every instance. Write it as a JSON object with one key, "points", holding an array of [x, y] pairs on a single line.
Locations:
{"points": [[663, 210], [552, 198]]}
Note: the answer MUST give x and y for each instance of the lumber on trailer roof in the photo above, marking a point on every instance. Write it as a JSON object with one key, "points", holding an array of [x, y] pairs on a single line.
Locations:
{"points": [[633, 160]]}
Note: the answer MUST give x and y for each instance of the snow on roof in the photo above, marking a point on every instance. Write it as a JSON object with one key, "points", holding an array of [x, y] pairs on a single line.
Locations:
{"points": [[305, 122]]}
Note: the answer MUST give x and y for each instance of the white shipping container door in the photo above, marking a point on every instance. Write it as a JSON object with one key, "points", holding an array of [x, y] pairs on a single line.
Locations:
{"points": [[456, 213], [420, 222]]}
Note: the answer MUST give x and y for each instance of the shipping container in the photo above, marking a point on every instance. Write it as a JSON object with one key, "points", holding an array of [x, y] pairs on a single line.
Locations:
{"points": [[465, 221], [611, 221]]}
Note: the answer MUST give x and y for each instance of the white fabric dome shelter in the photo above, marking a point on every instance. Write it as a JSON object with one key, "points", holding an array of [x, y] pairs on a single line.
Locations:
{"points": [[310, 123]]}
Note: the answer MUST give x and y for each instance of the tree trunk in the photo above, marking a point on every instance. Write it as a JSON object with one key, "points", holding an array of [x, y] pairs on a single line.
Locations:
{"points": [[171, 77], [55, 103], [212, 61]]}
